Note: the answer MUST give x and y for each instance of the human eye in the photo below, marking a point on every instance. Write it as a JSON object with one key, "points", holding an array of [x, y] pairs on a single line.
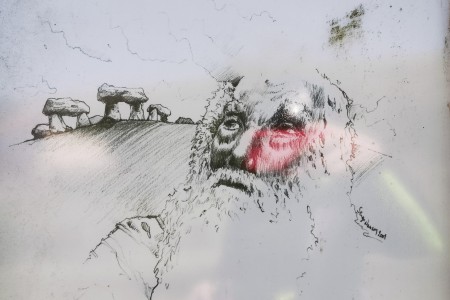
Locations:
{"points": [[231, 124], [285, 127]]}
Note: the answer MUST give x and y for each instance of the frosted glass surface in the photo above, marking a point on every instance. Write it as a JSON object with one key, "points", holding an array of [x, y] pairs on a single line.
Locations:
{"points": [[364, 218]]}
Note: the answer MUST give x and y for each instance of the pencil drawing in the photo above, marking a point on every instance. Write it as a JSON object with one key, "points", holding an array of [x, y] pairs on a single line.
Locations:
{"points": [[182, 120], [111, 96], [257, 158], [55, 109], [257, 155], [158, 112]]}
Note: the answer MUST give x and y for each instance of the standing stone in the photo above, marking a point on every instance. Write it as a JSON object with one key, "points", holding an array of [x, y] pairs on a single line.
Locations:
{"points": [[56, 123], [111, 96], [153, 115], [157, 112], [83, 120], [137, 112], [112, 111]]}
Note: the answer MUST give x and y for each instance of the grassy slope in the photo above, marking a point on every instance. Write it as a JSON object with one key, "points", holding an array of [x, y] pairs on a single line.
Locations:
{"points": [[62, 194], [128, 166]]}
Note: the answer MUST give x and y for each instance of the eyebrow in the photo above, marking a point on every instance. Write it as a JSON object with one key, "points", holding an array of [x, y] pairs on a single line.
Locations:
{"points": [[283, 115], [233, 109]]}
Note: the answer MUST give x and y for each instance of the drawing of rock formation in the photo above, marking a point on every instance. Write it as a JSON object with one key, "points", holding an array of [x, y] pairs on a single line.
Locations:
{"points": [[56, 108], [41, 131], [157, 112], [111, 96], [95, 119], [182, 120]]}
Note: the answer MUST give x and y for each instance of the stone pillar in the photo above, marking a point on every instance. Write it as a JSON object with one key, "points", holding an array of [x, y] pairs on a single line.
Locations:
{"points": [[112, 111], [56, 123], [136, 112], [83, 120], [153, 115]]}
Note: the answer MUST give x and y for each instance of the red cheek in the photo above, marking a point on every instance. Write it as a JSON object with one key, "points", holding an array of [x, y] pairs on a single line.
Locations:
{"points": [[274, 150]]}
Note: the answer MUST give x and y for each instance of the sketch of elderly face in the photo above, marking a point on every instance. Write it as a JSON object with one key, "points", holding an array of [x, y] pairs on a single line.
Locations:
{"points": [[249, 163], [266, 132], [251, 148]]}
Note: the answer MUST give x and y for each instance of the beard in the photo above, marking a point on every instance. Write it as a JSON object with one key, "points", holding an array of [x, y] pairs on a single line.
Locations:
{"points": [[235, 204]]}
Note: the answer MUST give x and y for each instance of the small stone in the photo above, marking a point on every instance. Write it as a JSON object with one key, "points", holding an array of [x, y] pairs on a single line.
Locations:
{"points": [[83, 120], [157, 112], [95, 119], [182, 120], [41, 131]]}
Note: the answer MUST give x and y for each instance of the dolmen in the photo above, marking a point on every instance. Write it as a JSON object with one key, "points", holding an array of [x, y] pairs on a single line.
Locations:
{"points": [[111, 96], [157, 112], [182, 120], [56, 109]]}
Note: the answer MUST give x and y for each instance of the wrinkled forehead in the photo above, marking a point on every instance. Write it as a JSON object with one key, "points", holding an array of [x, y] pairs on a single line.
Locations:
{"points": [[262, 104]]}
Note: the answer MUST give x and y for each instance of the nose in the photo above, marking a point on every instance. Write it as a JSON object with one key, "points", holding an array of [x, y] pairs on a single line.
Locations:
{"points": [[239, 155]]}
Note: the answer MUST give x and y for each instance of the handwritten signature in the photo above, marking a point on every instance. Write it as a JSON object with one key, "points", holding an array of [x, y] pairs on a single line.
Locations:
{"points": [[363, 221]]}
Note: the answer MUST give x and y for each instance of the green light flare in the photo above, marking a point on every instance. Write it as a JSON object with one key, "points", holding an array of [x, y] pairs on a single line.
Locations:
{"points": [[286, 296], [414, 210]]}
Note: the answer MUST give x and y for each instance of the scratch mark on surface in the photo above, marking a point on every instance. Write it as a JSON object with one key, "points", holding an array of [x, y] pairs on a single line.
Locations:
{"points": [[375, 123], [391, 128], [217, 8], [381, 153], [206, 70], [255, 15], [52, 89], [185, 39], [375, 108], [48, 85], [301, 275], [63, 34], [176, 39], [363, 168], [141, 57], [205, 34]]}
